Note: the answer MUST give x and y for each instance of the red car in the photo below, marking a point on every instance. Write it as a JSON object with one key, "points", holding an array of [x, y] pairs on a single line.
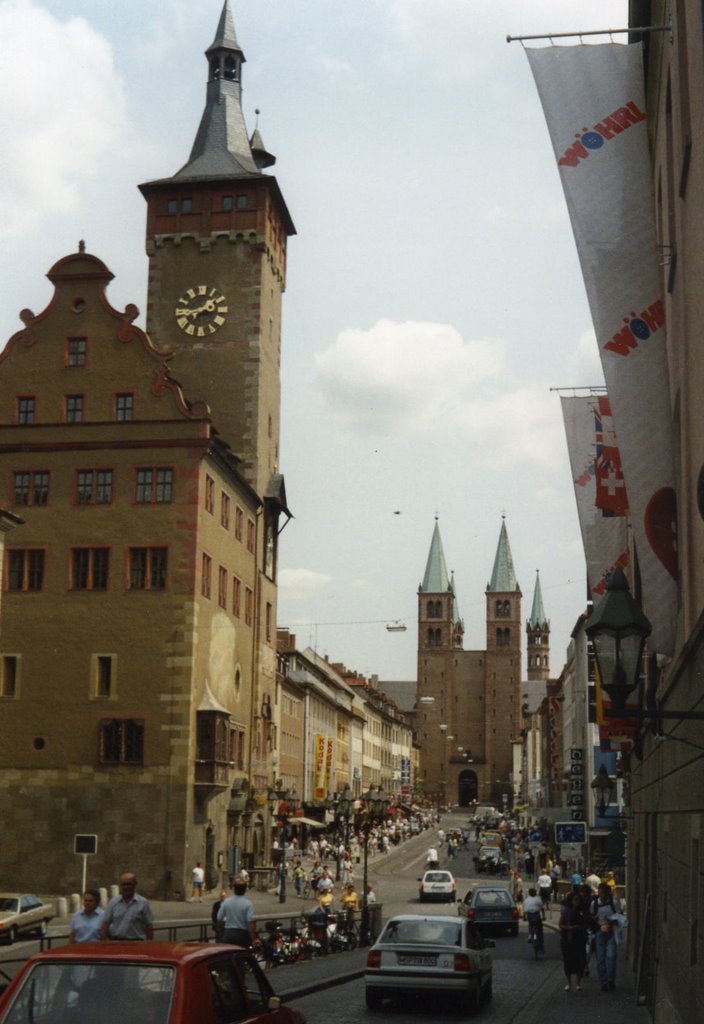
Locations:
{"points": [[143, 983]]}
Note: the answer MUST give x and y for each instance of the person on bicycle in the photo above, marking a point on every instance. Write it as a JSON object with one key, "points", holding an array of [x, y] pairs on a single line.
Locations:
{"points": [[545, 888], [534, 914]]}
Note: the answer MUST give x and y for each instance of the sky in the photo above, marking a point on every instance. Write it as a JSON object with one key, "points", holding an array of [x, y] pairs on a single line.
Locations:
{"points": [[434, 299]]}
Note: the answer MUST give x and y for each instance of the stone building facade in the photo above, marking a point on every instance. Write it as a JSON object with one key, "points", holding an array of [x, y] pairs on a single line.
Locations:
{"points": [[139, 608]]}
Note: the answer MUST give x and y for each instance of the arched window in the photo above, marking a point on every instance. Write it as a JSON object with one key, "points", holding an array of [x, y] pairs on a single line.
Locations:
{"points": [[215, 69], [507, 637], [507, 608], [230, 69], [499, 637]]}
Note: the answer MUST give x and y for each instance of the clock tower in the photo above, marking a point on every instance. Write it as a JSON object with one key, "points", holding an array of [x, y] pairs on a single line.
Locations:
{"points": [[217, 233]]}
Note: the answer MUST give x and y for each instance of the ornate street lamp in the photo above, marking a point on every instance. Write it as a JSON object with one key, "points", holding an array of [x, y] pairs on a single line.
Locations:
{"points": [[618, 629], [283, 804], [372, 809], [603, 787]]}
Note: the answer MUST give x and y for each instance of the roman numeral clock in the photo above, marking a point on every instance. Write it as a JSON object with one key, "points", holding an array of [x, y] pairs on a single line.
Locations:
{"points": [[201, 310]]}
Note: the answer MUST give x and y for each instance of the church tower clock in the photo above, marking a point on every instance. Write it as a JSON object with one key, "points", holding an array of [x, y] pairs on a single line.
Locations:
{"points": [[216, 239]]}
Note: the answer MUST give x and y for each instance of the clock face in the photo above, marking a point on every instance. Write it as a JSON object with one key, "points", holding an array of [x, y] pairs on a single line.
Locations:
{"points": [[201, 310]]}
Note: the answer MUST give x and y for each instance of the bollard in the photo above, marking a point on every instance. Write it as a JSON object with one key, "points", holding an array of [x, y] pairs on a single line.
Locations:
{"points": [[114, 890], [62, 907], [103, 896], [75, 902]]}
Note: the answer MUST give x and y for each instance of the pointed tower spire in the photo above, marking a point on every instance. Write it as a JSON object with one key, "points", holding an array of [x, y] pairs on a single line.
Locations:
{"points": [[436, 579], [222, 146], [503, 577], [538, 618]]}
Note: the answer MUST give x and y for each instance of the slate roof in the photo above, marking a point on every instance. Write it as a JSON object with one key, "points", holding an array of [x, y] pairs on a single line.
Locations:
{"points": [[538, 619]]}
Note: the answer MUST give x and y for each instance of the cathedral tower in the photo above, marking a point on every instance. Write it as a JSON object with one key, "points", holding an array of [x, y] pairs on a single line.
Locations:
{"points": [[538, 638], [502, 682], [216, 239]]}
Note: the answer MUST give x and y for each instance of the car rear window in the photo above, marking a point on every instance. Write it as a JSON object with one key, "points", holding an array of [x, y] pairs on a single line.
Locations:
{"points": [[423, 932], [9, 905], [95, 993], [437, 876], [495, 898]]}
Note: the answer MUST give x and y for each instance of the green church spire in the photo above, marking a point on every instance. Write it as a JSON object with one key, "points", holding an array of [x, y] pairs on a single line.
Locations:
{"points": [[436, 579], [503, 577], [538, 618]]}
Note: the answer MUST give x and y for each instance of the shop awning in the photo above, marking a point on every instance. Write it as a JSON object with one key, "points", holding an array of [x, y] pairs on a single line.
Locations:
{"points": [[306, 821]]}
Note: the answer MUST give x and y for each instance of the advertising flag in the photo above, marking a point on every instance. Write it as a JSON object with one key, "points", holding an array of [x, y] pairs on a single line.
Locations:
{"points": [[599, 487], [594, 105]]}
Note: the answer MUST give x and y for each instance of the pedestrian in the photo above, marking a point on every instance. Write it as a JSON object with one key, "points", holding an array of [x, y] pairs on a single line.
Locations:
{"points": [[555, 875], [573, 931], [371, 895], [610, 880], [236, 916], [431, 857], [217, 926], [545, 887], [298, 877], [593, 881], [325, 883], [516, 886], [128, 916], [86, 923], [603, 912], [197, 879]]}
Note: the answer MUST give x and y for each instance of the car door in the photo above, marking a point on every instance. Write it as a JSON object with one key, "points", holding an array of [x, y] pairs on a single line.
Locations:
{"points": [[30, 913]]}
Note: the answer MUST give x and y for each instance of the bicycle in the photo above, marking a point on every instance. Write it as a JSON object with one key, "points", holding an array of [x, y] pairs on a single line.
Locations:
{"points": [[535, 934]]}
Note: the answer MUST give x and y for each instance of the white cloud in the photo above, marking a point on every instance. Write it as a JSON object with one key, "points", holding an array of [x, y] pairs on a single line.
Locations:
{"points": [[585, 364], [56, 132], [408, 374], [514, 428], [302, 584]]}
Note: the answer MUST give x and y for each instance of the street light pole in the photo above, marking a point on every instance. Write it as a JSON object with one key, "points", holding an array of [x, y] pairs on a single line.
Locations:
{"points": [[374, 807], [343, 805], [282, 804]]}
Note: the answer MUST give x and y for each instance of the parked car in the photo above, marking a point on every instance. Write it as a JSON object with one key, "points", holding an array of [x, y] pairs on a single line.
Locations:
{"points": [[143, 983], [22, 914], [490, 907], [437, 885], [434, 955]]}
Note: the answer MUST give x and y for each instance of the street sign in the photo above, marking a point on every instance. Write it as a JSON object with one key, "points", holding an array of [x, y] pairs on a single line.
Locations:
{"points": [[86, 844], [571, 832], [536, 836], [571, 851]]}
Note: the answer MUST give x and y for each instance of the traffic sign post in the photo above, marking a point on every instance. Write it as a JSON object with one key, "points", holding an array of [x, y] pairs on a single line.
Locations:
{"points": [[85, 845], [571, 832]]}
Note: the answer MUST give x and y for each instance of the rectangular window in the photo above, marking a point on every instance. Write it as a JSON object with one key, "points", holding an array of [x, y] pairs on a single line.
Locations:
{"points": [[236, 597], [269, 612], [154, 486], [227, 203], [206, 570], [209, 495], [225, 511], [250, 535], [74, 408], [93, 486], [76, 352], [222, 586], [31, 488], [248, 606], [239, 522], [90, 568], [172, 206], [242, 202], [25, 409], [103, 668], [25, 569], [186, 205], [121, 741], [147, 568], [124, 407], [9, 681]]}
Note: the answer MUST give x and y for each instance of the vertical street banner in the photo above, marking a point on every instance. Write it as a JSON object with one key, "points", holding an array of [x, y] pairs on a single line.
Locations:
{"points": [[328, 766], [594, 104], [599, 486], [320, 787]]}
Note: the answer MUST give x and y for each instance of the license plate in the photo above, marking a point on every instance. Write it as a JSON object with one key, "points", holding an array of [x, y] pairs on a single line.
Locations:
{"points": [[417, 961]]}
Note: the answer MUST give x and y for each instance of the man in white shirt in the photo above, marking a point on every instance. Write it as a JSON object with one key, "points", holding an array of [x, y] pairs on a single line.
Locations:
{"points": [[545, 887], [534, 914], [431, 857]]}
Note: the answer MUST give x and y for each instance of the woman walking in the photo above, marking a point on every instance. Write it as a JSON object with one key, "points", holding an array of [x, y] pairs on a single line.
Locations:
{"points": [[573, 929]]}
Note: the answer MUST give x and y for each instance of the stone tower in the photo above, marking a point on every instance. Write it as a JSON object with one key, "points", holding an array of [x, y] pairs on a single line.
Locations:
{"points": [[538, 638], [502, 686], [216, 239]]}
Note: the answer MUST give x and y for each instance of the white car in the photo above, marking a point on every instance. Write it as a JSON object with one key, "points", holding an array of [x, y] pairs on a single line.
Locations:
{"points": [[418, 954], [437, 885]]}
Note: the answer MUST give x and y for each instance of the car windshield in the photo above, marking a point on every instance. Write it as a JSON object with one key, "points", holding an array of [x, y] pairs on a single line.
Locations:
{"points": [[493, 898], [437, 876], [95, 993], [8, 905], [425, 932]]}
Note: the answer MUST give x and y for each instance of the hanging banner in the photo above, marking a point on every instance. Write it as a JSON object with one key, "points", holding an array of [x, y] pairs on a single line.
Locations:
{"points": [[599, 487], [320, 786], [594, 104]]}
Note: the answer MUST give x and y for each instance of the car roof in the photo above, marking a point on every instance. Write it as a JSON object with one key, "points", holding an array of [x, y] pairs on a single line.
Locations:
{"points": [[173, 953], [425, 917]]}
